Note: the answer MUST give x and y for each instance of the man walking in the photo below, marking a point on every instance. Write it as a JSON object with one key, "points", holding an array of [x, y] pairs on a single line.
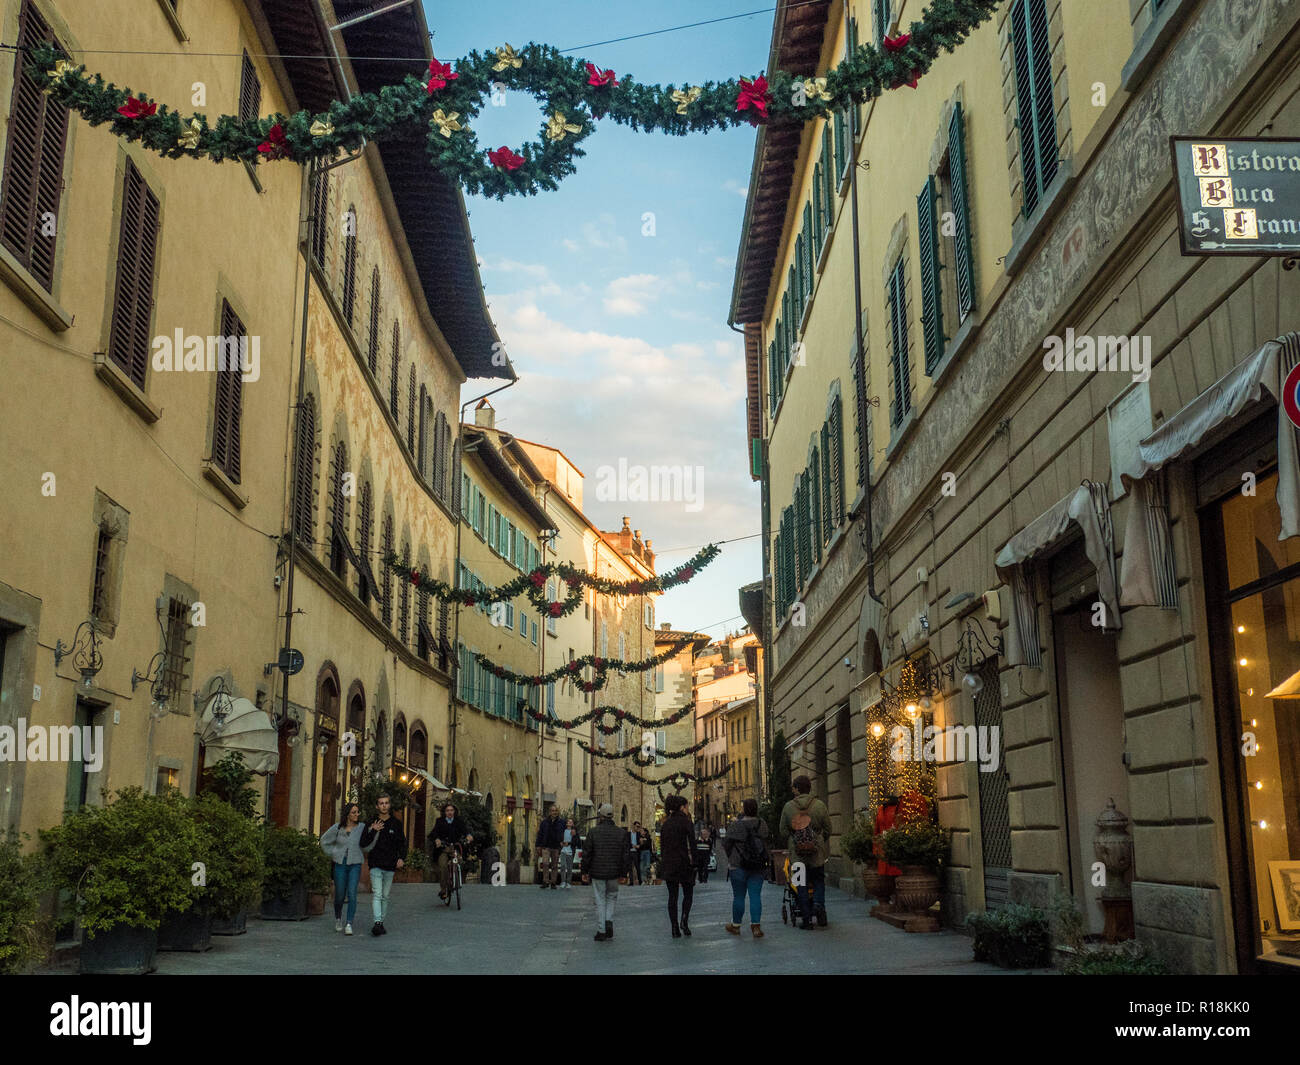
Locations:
{"points": [[806, 825], [550, 838], [605, 857], [385, 843], [635, 841]]}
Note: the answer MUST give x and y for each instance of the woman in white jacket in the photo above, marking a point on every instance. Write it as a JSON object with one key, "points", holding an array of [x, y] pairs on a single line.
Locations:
{"points": [[342, 842]]}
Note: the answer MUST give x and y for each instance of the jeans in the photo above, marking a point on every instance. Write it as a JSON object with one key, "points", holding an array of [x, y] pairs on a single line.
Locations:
{"points": [[645, 866], [346, 879], [606, 895], [381, 882], [566, 866], [444, 861], [634, 869], [688, 892], [816, 900], [742, 881], [546, 861]]}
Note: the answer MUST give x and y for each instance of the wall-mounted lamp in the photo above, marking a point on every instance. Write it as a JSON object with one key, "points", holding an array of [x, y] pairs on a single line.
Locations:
{"points": [[84, 650]]}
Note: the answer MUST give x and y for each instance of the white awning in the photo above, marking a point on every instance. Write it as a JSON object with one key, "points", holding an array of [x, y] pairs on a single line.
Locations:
{"points": [[582, 800], [1147, 568], [1088, 506], [242, 729], [440, 786]]}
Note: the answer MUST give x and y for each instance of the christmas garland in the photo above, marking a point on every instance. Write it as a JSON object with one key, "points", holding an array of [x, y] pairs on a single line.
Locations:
{"points": [[635, 752], [533, 583], [677, 781], [572, 668], [599, 713], [573, 94]]}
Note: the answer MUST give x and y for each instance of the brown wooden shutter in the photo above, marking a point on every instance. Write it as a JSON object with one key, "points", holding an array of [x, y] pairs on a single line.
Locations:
{"points": [[304, 471], [129, 337], [372, 355], [363, 540], [397, 354], [33, 168], [229, 401], [388, 573], [410, 414], [250, 90], [350, 266], [320, 213]]}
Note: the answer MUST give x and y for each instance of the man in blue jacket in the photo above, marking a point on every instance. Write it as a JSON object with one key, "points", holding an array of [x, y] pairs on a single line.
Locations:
{"points": [[550, 838]]}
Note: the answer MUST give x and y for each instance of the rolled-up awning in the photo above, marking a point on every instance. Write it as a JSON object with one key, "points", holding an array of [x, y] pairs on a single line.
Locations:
{"points": [[242, 729], [1088, 507], [1147, 571]]}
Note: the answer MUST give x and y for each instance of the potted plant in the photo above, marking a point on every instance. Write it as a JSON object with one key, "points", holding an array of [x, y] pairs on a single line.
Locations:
{"points": [[919, 848], [859, 845], [20, 939], [414, 867], [230, 780], [779, 774], [127, 863], [294, 867]]}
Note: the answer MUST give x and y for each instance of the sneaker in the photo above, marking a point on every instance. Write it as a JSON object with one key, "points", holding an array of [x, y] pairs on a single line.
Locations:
{"points": [[609, 929], [601, 937], [347, 931], [382, 930], [374, 929], [338, 925]]}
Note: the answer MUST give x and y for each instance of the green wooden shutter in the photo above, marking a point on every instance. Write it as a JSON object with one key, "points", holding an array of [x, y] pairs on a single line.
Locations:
{"points": [[855, 110], [1035, 104], [860, 418], [814, 476], [841, 152], [771, 377], [828, 522], [928, 243], [810, 251], [828, 181], [819, 212], [837, 460], [902, 402], [800, 277], [964, 267], [880, 13]]}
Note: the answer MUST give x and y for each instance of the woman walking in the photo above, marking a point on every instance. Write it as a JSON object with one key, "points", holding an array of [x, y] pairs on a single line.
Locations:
{"points": [[570, 844], [746, 847], [703, 852], [676, 862], [342, 842]]}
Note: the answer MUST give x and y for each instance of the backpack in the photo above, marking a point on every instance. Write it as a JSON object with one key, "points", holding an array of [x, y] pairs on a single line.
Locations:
{"points": [[753, 852], [802, 836]]}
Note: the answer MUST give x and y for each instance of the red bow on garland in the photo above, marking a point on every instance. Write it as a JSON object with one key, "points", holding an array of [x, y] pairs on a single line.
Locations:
{"points": [[503, 157], [911, 82], [439, 75], [753, 94], [897, 44], [275, 146], [595, 76], [137, 108]]}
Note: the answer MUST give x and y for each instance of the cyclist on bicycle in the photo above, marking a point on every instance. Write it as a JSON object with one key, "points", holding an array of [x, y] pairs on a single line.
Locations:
{"points": [[448, 831]]}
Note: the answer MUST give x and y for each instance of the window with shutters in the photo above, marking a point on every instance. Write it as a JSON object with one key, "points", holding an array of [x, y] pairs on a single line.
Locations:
{"points": [[899, 361], [365, 509], [176, 648], [404, 607], [931, 297], [372, 348], [827, 184], [824, 502], [422, 435], [130, 330], [100, 587], [250, 91], [810, 246], [338, 516], [440, 445], [1035, 99], [33, 165], [304, 472], [957, 274], [814, 479], [444, 635], [422, 646], [350, 263], [855, 111], [388, 573], [228, 409], [843, 144], [835, 448], [320, 210], [410, 411], [881, 16], [393, 377]]}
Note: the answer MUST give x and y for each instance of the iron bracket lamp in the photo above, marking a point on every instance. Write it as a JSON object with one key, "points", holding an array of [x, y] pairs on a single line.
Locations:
{"points": [[84, 650]]}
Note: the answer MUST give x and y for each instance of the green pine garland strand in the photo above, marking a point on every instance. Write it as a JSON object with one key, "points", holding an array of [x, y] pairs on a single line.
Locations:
{"points": [[533, 583], [599, 713], [635, 752], [677, 781], [573, 668], [563, 85]]}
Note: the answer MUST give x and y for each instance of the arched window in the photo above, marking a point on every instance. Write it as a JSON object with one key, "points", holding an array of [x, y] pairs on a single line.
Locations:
{"points": [[623, 819], [372, 350], [410, 413], [338, 519], [399, 740], [304, 476], [350, 263], [388, 573], [419, 758], [473, 780], [404, 611], [392, 382], [365, 506]]}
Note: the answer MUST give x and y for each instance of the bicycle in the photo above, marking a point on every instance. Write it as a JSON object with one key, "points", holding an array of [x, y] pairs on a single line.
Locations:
{"points": [[455, 876]]}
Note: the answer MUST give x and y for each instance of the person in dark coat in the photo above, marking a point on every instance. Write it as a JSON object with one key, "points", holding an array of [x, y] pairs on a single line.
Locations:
{"points": [[677, 862], [605, 858], [703, 852]]}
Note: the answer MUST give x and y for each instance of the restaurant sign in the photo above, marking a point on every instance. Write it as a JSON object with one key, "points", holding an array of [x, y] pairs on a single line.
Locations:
{"points": [[1238, 197]]}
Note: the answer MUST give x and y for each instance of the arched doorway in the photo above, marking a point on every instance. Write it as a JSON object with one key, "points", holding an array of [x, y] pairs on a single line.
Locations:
{"points": [[328, 791], [510, 817], [419, 759], [399, 741], [354, 745]]}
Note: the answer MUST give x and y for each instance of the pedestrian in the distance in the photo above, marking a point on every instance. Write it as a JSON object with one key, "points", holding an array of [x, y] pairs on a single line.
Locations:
{"points": [[634, 854], [806, 824], [385, 844], [550, 838], [568, 844], [703, 852], [747, 853], [676, 862], [605, 858], [647, 854], [342, 842]]}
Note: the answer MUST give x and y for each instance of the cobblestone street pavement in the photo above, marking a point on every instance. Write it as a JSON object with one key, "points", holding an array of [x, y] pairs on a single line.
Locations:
{"points": [[522, 929]]}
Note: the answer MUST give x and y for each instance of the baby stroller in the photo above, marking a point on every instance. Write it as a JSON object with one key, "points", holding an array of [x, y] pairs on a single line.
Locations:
{"points": [[789, 900]]}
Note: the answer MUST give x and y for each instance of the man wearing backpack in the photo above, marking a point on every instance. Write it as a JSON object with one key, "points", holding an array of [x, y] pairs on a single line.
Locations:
{"points": [[746, 847], [806, 825]]}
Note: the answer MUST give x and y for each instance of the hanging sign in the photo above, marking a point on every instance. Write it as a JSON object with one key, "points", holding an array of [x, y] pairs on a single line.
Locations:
{"points": [[1237, 196]]}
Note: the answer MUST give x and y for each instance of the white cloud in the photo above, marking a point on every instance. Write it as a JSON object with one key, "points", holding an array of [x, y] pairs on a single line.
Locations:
{"points": [[632, 295], [732, 185]]}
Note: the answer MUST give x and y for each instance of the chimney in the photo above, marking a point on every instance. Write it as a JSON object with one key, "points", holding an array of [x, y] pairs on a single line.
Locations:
{"points": [[638, 546], [485, 415], [666, 626], [625, 537]]}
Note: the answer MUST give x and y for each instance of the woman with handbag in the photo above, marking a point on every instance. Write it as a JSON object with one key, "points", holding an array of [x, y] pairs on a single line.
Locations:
{"points": [[676, 862]]}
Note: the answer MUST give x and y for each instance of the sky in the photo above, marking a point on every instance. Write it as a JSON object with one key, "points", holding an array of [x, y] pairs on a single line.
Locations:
{"points": [[617, 322]]}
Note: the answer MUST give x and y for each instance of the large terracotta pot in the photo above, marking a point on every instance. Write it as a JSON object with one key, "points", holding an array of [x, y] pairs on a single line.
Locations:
{"points": [[917, 889], [878, 887]]}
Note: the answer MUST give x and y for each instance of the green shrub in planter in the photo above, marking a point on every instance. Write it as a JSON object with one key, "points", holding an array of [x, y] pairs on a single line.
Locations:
{"points": [[231, 850], [19, 888], [128, 862], [921, 843], [229, 780], [856, 844], [1014, 937], [1130, 959], [292, 857], [377, 784]]}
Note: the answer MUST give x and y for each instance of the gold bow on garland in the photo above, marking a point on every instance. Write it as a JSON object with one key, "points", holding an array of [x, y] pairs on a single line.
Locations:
{"points": [[683, 98], [446, 124], [322, 129], [506, 58], [557, 127], [815, 89], [190, 138]]}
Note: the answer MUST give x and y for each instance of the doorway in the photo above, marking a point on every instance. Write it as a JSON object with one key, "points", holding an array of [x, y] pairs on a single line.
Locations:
{"points": [[995, 812]]}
